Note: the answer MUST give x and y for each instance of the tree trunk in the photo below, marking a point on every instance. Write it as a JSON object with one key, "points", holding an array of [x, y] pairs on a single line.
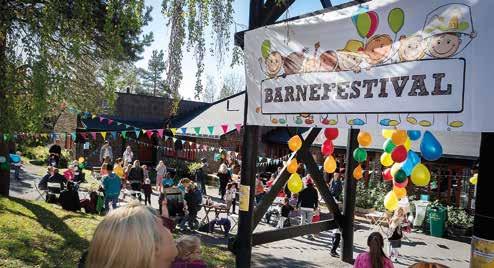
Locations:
{"points": [[4, 128]]}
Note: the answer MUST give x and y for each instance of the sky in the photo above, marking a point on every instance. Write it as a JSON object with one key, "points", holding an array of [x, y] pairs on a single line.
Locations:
{"points": [[241, 17]]}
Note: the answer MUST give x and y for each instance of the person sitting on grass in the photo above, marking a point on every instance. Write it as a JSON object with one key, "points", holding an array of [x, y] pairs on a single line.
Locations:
{"points": [[111, 185], [189, 253]]}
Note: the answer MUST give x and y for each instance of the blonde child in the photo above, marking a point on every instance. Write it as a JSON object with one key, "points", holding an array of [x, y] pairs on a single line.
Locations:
{"points": [[189, 253]]}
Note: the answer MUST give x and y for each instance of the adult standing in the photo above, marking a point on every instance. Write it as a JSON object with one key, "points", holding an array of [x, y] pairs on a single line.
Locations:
{"points": [[55, 153], [136, 178], [308, 200], [160, 172], [336, 186], [201, 176], [128, 155], [105, 152], [224, 177]]}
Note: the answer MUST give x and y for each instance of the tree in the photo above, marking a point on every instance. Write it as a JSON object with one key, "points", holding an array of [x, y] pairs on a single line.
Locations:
{"points": [[233, 83], [210, 89], [152, 76], [58, 54]]}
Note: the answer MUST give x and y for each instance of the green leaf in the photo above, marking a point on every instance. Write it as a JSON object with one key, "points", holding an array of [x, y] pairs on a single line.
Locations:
{"points": [[266, 49]]}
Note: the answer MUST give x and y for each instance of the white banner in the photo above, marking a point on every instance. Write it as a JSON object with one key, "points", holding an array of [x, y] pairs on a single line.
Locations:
{"points": [[409, 64]]}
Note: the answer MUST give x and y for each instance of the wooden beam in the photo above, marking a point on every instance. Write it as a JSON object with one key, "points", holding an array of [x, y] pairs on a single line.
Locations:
{"points": [[326, 3], [291, 232], [273, 10]]}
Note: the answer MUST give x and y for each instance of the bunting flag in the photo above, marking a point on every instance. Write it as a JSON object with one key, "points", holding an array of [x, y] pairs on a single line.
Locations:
{"points": [[210, 129], [118, 123], [149, 133], [160, 133], [238, 127], [174, 140], [127, 126], [93, 116], [93, 134], [110, 121], [101, 119], [173, 130], [225, 128], [197, 130], [103, 134], [114, 135], [124, 134], [138, 132], [84, 135], [184, 130], [183, 142], [74, 135]]}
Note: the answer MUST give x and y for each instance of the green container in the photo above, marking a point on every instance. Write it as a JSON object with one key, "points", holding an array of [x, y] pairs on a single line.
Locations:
{"points": [[437, 219]]}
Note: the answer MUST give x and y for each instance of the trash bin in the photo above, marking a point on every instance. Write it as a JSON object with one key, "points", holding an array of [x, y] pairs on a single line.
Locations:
{"points": [[437, 217], [420, 210]]}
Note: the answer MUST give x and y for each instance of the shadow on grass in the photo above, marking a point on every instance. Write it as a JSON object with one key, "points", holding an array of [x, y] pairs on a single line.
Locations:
{"points": [[268, 260]]}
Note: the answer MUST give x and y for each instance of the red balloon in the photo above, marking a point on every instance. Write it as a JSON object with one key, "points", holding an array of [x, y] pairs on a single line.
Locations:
{"points": [[327, 148], [387, 174], [399, 154], [331, 133], [401, 185], [374, 23]]}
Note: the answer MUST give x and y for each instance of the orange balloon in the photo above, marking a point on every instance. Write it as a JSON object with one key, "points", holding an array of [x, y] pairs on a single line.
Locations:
{"points": [[358, 172], [292, 166], [330, 164], [399, 137], [400, 191], [295, 143], [364, 138]]}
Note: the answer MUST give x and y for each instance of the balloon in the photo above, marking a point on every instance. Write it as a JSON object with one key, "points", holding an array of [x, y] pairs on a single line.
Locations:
{"points": [[357, 172], [386, 160], [329, 164], [408, 144], [292, 166], [400, 176], [387, 174], [374, 23], [414, 134], [387, 133], [364, 138], [363, 24], [396, 19], [359, 155], [430, 147], [395, 168], [473, 180], [399, 154], [420, 175], [327, 148], [81, 159], [388, 146], [400, 192], [361, 9], [399, 137], [294, 143], [265, 49], [331, 133], [391, 201], [295, 183]]}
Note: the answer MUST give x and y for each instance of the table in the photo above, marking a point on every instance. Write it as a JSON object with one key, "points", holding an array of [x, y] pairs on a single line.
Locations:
{"points": [[377, 218], [217, 210]]}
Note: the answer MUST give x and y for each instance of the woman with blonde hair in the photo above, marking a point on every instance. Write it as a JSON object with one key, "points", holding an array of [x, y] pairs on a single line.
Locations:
{"points": [[160, 173], [225, 178], [132, 236]]}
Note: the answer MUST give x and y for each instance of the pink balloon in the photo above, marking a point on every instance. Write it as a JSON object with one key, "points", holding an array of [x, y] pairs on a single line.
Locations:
{"points": [[374, 23]]}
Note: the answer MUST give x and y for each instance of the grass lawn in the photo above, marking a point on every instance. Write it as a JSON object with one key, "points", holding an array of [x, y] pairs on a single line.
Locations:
{"points": [[37, 234]]}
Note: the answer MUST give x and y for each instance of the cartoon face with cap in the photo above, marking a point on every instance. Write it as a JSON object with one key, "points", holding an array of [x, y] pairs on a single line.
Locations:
{"points": [[411, 48], [378, 48], [292, 63], [443, 45], [328, 61], [350, 57], [274, 62]]}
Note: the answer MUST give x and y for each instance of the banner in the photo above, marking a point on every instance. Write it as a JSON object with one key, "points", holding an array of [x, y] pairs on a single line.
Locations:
{"points": [[406, 64]]}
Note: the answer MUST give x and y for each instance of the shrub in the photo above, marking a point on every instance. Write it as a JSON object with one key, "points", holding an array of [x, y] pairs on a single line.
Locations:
{"points": [[458, 217], [40, 154], [373, 195]]}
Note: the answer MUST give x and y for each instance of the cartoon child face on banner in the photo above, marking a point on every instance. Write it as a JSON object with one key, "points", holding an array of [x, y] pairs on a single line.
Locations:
{"points": [[411, 48]]}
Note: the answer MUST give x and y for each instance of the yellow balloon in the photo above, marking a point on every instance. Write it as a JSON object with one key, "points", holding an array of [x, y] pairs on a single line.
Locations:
{"points": [[474, 179], [391, 201], [395, 168], [330, 164], [294, 143], [408, 144], [386, 160], [81, 159], [399, 137], [292, 166], [295, 183], [387, 133], [357, 172], [420, 175], [364, 138], [400, 192]]}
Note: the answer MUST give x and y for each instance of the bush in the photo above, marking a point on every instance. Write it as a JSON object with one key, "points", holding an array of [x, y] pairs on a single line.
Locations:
{"points": [[373, 195], [40, 154], [181, 167], [458, 217]]}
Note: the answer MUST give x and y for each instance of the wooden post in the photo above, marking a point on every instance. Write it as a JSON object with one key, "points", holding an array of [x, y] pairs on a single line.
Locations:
{"points": [[349, 200]]}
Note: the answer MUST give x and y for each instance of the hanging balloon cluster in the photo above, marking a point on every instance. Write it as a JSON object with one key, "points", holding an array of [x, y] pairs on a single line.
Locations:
{"points": [[327, 149], [360, 154], [295, 183], [401, 162]]}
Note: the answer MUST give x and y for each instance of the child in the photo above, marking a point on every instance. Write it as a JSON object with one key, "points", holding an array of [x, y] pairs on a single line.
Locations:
{"points": [[146, 171], [231, 191], [317, 215], [189, 253], [16, 160], [111, 184], [146, 188], [284, 220]]}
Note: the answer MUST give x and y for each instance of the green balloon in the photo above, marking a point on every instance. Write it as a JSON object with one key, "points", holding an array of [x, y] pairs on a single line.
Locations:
{"points": [[363, 24], [400, 176], [265, 48], [359, 155], [396, 19], [388, 146]]}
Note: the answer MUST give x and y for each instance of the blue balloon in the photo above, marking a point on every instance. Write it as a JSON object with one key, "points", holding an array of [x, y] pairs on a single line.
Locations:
{"points": [[430, 147], [414, 134], [412, 160]]}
